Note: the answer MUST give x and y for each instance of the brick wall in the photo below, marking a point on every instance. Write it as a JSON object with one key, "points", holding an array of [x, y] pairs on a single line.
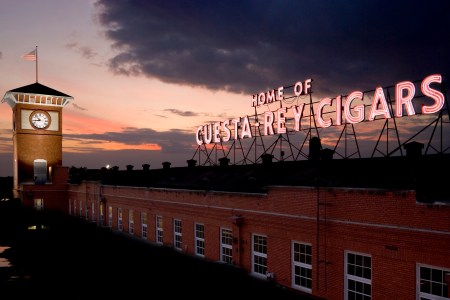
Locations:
{"points": [[389, 226]]}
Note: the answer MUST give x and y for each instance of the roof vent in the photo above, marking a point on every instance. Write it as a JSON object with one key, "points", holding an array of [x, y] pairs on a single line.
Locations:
{"points": [[266, 158], [166, 165], [224, 161], [413, 149], [191, 163]]}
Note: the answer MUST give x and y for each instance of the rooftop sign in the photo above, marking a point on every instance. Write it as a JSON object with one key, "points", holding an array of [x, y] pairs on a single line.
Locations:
{"points": [[347, 109]]}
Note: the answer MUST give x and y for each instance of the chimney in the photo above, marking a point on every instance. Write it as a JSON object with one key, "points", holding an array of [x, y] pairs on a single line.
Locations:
{"points": [[314, 148], [130, 167], [145, 167], [166, 165], [326, 154], [413, 149], [267, 158], [224, 161], [191, 163]]}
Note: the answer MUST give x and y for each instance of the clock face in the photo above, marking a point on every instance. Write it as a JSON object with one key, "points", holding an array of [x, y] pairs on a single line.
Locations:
{"points": [[40, 119]]}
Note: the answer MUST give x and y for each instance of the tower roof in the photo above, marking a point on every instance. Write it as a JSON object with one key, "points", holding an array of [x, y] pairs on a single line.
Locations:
{"points": [[36, 94], [37, 88]]}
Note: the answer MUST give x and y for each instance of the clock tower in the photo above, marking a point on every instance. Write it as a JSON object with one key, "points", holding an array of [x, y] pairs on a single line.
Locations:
{"points": [[37, 132]]}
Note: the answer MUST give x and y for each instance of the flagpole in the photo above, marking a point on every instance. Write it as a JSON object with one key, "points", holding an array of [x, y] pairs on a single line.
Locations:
{"points": [[36, 65]]}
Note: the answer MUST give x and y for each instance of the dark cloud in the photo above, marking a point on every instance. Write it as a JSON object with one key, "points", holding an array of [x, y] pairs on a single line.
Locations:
{"points": [[181, 112], [5, 139], [84, 51], [161, 116], [87, 52], [172, 141], [6, 146], [78, 107], [6, 159], [248, 46], [188, 113]]}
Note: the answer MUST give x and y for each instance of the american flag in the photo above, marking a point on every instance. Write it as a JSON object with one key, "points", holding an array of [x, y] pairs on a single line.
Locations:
{"points": [[30, 56]]}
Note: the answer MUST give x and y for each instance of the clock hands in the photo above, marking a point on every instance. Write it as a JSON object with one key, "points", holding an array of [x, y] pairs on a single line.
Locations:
{"points": [[40, 120]]}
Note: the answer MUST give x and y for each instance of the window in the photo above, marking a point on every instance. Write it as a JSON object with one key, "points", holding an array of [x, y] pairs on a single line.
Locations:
{"points": [[81, 210], [144, 225], [159, 229], [38, 204], [131, 221], [431, 284], [259, 255], [110, 216], [226, 246], [100, 222], [119, 219], [92, 211], [40, 171], [177, 235], [302, 266], [200, 240], [358, 276], [86, 211]]}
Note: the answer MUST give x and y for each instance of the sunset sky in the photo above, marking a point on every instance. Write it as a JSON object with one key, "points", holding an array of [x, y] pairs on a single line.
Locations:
{"points": [[145, 74]]}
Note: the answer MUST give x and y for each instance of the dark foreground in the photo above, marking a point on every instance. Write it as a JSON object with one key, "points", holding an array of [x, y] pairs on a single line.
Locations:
{"points": [[66, 258]]}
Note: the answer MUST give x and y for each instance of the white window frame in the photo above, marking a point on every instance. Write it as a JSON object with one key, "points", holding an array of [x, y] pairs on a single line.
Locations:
{"points": [[258, 254], [302, 265], [348, 277], [159, 230], [144, 232], [131, 222], [177, 234], [423, 295], [86, 210], [100, 221], [38, 204], [226, 250], [199, 240], [110, 216], [92, 211], [119, 219]]}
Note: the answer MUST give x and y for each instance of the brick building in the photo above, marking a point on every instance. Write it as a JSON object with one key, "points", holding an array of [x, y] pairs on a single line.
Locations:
{"points": [[335, 229]]}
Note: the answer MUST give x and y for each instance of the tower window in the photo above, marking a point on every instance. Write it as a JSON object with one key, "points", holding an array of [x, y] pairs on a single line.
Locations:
{"points": [[40, 171]]}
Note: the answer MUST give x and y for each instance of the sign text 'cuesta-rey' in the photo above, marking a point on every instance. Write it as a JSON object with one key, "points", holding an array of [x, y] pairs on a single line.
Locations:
{"points": [[349, 109]]}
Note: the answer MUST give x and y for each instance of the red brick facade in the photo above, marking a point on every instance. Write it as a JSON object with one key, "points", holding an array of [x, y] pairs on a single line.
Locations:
{"points": [[52, 196], [389, 230]]}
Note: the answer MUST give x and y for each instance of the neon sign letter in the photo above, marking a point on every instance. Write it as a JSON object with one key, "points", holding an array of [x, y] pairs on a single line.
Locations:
{"points": [[268, 122], [437, 96], [379, 99], [298, 113], [401, 100], [358, 108], [320, 120], [281, 125]]}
